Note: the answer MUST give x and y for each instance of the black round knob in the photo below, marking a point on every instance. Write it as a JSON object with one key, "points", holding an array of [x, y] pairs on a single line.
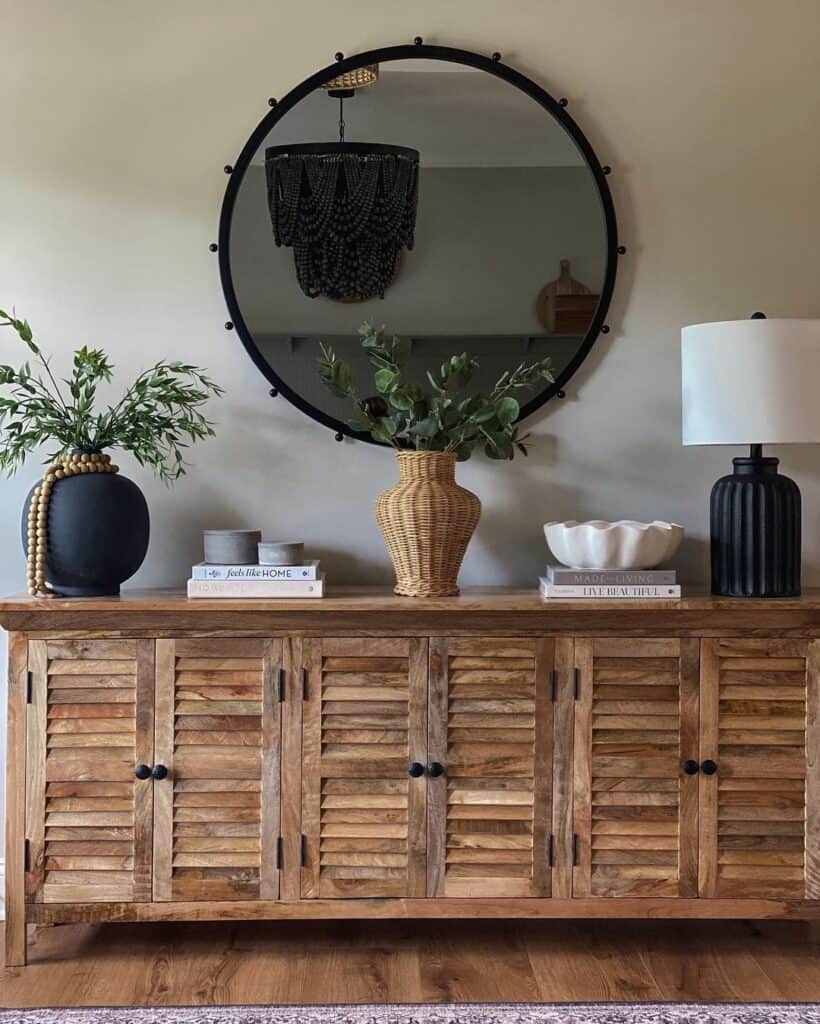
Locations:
{"points": [[560, 393], [273, 393], [758, 316], [605, 329], [417, 41], [691, 767], [563, 101], [228, 325], [159, 771], [213, 247], [496, 56], [142, 771], [272, 102], [415, 770], [228, 169], [338, 436], [435, 769], [339, 55], [606, 169], [708, 767], [621, 250]]}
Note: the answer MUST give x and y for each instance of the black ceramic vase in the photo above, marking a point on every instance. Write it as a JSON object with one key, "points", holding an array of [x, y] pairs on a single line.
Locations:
{"points": [[97, 534], [755, 523]]}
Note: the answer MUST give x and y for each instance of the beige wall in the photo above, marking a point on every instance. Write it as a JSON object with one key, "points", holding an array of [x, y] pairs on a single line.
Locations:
{"points": [[118, 116]]}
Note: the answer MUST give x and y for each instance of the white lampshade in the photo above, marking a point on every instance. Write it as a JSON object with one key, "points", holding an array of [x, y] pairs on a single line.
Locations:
{"points": [[751, 382]]}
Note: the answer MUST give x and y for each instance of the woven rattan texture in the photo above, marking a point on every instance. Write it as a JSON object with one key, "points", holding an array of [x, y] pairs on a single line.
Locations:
{"points": [[427, 521]]}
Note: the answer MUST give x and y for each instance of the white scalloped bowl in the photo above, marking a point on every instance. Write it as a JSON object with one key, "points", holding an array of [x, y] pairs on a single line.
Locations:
{"points": [[624, 544]]}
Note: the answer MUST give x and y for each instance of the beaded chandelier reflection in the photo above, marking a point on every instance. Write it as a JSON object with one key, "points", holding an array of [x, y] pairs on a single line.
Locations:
{"points": [[347, 209]]}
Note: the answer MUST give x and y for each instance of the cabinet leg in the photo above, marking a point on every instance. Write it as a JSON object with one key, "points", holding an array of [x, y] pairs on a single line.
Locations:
{"points": [[15, 951]]}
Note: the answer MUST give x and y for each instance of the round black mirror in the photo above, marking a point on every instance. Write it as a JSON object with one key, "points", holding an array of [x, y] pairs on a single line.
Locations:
{"points": [[433, 190]]}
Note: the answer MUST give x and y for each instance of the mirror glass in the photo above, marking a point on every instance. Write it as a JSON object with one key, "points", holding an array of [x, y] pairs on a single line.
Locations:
{"points": [[509, 247]]}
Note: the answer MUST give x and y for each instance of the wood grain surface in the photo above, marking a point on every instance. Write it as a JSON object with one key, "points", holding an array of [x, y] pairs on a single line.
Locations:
{"points": [[753, 810], [428, 961], [561, 729], [354, 611], [218, 734], [635, 814]]}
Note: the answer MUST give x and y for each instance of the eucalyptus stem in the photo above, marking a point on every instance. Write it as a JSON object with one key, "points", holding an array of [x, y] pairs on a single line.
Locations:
{"points": [[406, 415]]}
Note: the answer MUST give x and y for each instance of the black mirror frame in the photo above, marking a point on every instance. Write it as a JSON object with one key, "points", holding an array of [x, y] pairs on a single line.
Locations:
{"points": [[417, 50]]}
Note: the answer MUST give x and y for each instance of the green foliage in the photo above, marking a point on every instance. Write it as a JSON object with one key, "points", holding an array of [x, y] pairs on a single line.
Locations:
{"points": [[438, 419], [156, 419]]}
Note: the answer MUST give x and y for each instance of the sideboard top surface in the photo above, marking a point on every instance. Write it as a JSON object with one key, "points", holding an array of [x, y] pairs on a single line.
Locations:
{"points": [[377, 610]]}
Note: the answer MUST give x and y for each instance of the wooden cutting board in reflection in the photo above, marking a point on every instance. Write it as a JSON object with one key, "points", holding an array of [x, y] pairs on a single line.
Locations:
{"points": [[565, 306]]}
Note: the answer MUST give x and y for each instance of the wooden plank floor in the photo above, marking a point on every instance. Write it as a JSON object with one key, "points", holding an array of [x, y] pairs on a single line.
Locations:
{"points": [[382, 961]]}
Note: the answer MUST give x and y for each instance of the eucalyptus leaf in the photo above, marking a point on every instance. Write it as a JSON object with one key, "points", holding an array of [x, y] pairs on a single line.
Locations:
{"points": [[425, 428], [506, 410], [400, 399], [384, 380], [383, 429], [485, 415]]}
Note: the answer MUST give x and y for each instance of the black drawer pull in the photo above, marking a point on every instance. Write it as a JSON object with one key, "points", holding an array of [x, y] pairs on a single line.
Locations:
{"points": [[415, 770], [142, 771], [708, 767], [159, 772], [435, 769], [691, 767]]}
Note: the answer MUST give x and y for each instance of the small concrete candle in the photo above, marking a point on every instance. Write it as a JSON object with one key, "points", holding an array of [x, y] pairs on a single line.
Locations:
{"points": [[231, 547], [281, 552]]}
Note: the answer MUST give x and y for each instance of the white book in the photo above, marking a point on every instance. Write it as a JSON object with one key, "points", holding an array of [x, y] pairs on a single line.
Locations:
{"points": [[257, 588], [656, 593], [208, 571]]}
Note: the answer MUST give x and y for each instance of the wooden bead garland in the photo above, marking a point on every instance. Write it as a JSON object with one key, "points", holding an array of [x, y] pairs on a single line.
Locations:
{"points": [[73, 464]]}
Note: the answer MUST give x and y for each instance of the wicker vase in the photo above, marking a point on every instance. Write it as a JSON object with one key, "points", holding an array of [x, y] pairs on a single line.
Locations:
{"points": [[427, 521]]}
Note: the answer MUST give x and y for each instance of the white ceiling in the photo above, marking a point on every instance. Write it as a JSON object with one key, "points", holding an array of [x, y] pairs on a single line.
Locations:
{"points": [[461, 118]]}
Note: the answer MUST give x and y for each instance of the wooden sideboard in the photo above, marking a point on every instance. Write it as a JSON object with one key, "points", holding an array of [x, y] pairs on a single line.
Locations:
{"points": [[373, 756]]}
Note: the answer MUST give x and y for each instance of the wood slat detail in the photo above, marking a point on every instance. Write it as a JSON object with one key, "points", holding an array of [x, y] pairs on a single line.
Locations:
{"points": [[364, 721], [89, 820], [218, 733], [636, 813], [497, 782], [758, 724]]}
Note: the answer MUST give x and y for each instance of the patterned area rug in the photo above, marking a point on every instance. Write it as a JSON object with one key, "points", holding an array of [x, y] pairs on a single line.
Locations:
{"points": [[454, 1013]]}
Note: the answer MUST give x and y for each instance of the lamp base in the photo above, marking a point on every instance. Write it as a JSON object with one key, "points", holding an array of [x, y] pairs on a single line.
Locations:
{"points": [[755, 524]]}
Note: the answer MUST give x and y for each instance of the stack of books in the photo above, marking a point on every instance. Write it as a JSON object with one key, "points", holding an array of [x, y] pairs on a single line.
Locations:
{"points": [[647, 584], [209, 580]]}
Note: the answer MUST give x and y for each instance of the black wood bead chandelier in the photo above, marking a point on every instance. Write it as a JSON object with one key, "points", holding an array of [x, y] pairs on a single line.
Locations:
{"points": [[347, 209]]}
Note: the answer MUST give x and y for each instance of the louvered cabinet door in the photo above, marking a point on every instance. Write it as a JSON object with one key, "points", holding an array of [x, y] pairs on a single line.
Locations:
{"points": [[88, 818], [635, 806], [490, 730], [364, 719], [760, 806], [218, 734]]}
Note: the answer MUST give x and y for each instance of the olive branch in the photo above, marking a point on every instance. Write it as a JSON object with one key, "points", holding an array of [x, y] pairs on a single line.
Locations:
{"points": [[156, 419]]}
